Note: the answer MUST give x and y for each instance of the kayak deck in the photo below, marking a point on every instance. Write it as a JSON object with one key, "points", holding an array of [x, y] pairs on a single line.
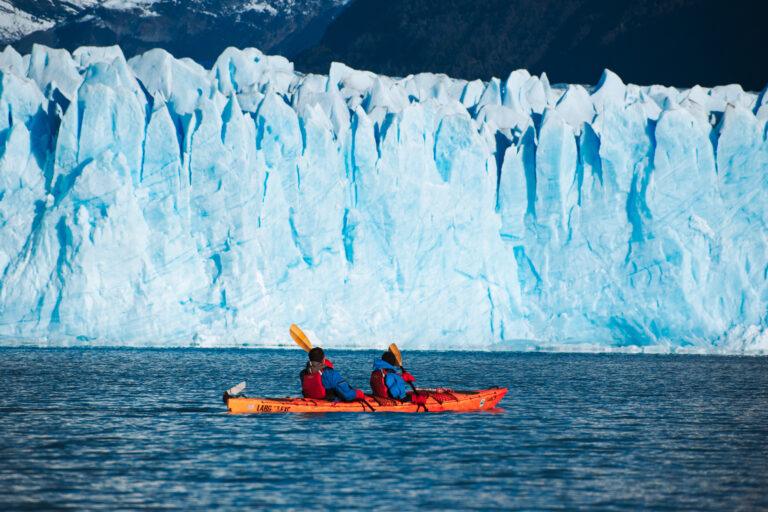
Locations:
{"points": [[437, 400]]}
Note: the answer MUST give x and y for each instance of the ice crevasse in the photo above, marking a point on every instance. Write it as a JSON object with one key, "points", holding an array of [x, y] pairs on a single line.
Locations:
{"points": [[155, 202]]}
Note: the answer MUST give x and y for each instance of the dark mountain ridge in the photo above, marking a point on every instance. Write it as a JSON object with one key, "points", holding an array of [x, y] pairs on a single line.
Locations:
{"points": [[199, 29], [671, 42]]}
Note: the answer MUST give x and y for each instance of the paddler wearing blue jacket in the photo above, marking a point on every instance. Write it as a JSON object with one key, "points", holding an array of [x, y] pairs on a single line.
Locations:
{"points": [[320, 381], [385, 381]]}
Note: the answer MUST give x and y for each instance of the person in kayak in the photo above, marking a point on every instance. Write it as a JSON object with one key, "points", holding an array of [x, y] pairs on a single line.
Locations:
{"points": [[385, 381], [319, 380]]}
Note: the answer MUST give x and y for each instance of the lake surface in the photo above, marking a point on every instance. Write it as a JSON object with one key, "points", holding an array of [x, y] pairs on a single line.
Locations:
{"points": [[121, 429]]}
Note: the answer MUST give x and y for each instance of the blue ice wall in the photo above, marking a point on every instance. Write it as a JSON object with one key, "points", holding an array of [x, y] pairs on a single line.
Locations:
{"points": [[154, 202]]}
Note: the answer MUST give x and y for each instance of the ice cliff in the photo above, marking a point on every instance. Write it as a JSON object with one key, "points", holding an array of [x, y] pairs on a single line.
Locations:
{"points": [[155, 202]]}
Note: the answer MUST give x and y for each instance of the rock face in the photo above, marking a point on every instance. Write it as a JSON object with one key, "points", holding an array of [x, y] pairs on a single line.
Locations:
{"points": [[156, 202], [674, 42], [199, 29]]}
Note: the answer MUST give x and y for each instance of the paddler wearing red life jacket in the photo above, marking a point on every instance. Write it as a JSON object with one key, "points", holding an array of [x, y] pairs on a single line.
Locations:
{"points": [[385, 381], [320, 381]]}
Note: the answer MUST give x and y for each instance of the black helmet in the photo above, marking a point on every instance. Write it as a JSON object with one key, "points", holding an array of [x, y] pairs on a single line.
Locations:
{"points": [[389, 357], [317, 354]]}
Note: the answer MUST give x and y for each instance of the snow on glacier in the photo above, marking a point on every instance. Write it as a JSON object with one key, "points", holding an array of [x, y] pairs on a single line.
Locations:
{"points": [[155, 202]]}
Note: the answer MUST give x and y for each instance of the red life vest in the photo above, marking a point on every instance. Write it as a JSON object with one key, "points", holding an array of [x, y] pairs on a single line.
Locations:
{"points": [[379, 384], [312, 385]]}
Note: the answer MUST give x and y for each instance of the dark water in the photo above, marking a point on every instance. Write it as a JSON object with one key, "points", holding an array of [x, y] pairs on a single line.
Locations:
{"points": [[127, 429]]}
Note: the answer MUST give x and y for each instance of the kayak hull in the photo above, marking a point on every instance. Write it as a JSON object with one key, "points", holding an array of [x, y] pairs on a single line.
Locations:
{"points": [[438, 400]]}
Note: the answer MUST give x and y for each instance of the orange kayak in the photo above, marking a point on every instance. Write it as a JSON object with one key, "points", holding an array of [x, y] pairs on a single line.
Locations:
{"points": [[437, 400]]}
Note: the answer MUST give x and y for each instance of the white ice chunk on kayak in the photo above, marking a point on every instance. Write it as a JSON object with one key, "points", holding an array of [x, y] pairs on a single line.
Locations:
{"points": [[236, 390]]}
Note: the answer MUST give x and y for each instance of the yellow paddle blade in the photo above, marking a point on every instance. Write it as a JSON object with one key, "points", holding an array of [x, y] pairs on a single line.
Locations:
{"points": [[393, 348], [300, 338]]}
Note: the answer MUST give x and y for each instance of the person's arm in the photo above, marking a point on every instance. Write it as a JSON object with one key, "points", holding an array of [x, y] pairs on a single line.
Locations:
{"points": [[332, 380], [396, 385]]}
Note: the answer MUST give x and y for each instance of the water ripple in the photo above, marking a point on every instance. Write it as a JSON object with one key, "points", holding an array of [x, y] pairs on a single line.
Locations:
{"points": [[130, 429]]}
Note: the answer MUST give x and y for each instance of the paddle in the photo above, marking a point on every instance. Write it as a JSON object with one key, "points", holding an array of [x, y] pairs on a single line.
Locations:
{"points": [[396, 352], [301, 340], [234, 390]]}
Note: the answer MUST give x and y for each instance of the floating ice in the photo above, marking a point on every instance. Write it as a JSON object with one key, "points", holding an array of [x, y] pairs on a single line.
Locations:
{"points": [[154, 202]]}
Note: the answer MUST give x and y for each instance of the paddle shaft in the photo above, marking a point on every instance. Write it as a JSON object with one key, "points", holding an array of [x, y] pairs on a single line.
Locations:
{"points": [[409, 382], [399, 358], [415, 392]]}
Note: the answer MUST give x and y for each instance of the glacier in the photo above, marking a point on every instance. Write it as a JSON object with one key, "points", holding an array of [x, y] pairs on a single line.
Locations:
{"points": [[153, 202]]}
